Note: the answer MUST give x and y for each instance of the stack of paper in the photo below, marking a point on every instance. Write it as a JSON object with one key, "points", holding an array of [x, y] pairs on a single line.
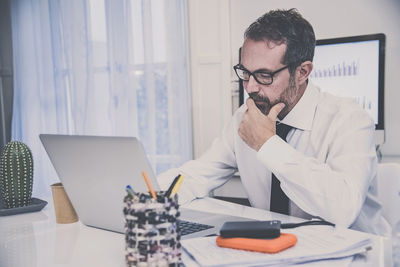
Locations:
{"points": [[314, 243]]}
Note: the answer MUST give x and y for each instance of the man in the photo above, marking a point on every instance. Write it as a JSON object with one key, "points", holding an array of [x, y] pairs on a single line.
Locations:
{"points": [[327, 168]]}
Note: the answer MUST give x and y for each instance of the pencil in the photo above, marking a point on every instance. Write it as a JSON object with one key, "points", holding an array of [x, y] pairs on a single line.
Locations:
{"points": [[177, 186], [168, 192], [146, 179]]}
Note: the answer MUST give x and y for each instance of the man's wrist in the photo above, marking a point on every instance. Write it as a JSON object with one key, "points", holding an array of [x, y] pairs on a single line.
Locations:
{"points": [[262, 144]]}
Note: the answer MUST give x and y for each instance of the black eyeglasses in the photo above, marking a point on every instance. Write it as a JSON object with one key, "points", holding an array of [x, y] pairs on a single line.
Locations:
{"points": [[262, 77]]}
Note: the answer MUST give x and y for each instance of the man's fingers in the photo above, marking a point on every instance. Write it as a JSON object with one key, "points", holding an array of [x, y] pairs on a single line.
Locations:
{"points": [[250, 104], [275, 110]]}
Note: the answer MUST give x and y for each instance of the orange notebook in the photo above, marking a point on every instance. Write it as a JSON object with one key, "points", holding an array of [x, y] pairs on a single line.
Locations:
{"points": [[275, 245]]}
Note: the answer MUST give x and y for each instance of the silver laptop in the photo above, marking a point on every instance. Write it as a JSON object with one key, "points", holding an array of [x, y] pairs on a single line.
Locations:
{"points": [[95, 171]]}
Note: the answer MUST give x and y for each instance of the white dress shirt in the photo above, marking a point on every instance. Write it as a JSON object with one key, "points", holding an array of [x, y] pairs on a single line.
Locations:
{"points": [[327, 168]]}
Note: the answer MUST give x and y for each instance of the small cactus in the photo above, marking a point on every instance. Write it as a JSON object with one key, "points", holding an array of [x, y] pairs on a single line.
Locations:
{"points": [[16, 175]]}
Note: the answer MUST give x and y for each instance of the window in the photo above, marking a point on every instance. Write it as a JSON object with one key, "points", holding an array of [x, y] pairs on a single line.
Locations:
{"points": [[100, 67]]}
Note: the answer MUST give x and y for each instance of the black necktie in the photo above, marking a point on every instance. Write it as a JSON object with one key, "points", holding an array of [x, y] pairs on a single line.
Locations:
{"points": [[279, 200]]}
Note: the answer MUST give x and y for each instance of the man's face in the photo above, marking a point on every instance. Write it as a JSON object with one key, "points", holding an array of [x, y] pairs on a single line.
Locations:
{"points": [[267, 57]]}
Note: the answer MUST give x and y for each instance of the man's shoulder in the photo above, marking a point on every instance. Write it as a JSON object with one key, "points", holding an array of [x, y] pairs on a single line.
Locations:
{"points": [[342, 108], [337, 104]]}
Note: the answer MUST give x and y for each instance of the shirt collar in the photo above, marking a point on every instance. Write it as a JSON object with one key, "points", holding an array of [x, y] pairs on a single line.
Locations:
{"points": [[302, 115]]}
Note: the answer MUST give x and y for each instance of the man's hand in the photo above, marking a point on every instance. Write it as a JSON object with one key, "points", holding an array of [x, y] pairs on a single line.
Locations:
{"points": [[256, 128]]}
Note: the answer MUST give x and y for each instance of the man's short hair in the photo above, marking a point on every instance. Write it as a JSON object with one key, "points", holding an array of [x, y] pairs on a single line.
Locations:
{"points": [[289, 27]]}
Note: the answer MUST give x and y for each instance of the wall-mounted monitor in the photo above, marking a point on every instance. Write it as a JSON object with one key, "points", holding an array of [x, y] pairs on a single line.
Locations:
{"points": [[351, 67]]}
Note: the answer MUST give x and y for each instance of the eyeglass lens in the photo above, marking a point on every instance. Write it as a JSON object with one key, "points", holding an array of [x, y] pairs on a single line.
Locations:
{"points": [[260, 77]]}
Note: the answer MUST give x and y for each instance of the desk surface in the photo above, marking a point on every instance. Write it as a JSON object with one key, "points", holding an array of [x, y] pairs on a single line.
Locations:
{"points": [[35, 239]]}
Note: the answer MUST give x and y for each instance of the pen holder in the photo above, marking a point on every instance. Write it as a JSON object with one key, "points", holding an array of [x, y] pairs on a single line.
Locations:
{"points": [[151, 230]]}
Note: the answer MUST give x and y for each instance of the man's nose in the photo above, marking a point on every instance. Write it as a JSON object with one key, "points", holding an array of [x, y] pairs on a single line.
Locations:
{"points": [[252, 85]]}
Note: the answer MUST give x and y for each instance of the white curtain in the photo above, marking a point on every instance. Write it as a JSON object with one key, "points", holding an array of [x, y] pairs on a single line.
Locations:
{"points": [[101, 67]]}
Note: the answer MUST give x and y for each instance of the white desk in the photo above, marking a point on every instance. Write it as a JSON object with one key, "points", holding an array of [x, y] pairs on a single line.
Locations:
{"points": [[35, 240]]}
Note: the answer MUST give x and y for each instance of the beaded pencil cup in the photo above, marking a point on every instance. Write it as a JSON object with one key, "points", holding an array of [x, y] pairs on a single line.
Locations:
{"points": [[152, 236]]}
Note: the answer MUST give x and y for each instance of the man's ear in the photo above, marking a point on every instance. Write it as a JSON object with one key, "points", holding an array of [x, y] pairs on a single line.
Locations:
{"points": [[303, 71]]}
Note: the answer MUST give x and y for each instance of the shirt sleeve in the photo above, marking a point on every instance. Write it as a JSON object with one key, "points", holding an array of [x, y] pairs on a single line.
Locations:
{"points": [[210, 171], [334, 188]]}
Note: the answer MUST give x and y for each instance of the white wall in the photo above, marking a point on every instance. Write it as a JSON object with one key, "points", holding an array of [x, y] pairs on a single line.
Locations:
{"points": [[210, 69], [329, 19]]}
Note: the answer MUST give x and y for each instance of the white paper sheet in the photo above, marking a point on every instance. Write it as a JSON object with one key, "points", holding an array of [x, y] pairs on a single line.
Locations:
{"points": [[314, 243]]}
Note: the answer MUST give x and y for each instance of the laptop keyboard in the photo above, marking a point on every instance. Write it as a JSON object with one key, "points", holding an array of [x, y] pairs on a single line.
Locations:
{"points": [[187, 227]]}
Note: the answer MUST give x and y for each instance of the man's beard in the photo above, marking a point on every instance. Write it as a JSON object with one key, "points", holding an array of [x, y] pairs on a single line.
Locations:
{"points": [[287, 97]]}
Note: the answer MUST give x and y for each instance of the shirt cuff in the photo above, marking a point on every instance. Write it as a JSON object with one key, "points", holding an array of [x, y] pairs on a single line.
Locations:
{"points": [[275, 154]]}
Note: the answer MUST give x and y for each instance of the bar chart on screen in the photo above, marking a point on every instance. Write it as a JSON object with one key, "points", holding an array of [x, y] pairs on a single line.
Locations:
{"points": [[342, 69], [349, 67]]}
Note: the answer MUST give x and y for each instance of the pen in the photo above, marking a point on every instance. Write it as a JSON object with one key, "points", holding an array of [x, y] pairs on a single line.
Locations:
{"points": [[130, 190], [177, 186], [168, 192], [146, 179]]}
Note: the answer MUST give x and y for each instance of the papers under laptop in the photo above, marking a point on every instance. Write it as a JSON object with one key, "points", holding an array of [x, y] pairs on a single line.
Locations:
{"points": [[95, 171]]}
